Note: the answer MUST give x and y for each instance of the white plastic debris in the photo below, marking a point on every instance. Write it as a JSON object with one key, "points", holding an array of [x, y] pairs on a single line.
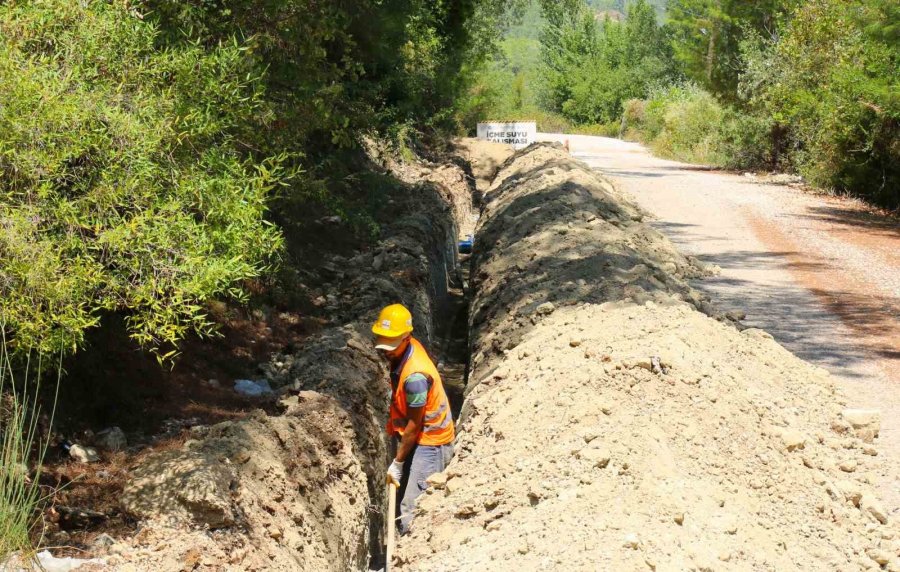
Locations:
{"points": [[45, 561], [252, 388]]}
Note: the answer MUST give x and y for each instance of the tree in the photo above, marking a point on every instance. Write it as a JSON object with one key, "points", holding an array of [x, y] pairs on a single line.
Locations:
{"points": [[707, 35]]}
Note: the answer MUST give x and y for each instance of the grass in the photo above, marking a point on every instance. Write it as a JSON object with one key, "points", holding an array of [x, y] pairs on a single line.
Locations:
{"points": [[20, 443]]}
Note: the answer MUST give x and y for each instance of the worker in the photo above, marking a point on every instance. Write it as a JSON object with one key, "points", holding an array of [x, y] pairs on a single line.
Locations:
{"points": [[420, 420]]}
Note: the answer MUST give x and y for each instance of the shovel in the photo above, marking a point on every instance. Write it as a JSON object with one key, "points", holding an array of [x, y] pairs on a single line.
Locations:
{"points": [[391, 525]]}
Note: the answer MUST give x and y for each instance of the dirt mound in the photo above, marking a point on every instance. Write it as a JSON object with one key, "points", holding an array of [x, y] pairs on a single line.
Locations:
{"points": [[610, 425], [303, 490], [484, 157]]}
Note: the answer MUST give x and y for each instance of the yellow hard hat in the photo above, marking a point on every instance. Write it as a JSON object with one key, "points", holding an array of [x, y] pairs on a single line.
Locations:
{"points": [[394, 321]]}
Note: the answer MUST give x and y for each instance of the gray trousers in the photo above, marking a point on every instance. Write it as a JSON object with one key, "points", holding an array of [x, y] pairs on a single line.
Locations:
{"points": [[424, 462]]}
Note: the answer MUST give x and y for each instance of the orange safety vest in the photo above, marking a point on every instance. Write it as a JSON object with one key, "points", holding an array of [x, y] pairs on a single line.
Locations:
{"points": [[438, 421]]}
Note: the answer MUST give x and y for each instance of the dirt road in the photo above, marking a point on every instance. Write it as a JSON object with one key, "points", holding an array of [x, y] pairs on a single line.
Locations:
{"points": [[820, 274]]}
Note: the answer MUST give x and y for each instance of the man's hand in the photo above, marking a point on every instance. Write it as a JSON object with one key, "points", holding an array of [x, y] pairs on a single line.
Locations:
{"points": [[395, 472]]}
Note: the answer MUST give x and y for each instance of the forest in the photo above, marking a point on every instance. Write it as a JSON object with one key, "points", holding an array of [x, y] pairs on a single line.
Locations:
{"points": [[806, 87]]}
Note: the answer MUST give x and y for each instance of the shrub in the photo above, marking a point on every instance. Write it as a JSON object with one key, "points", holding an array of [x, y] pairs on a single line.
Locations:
{"points": [[687, 123], [123, 189]]}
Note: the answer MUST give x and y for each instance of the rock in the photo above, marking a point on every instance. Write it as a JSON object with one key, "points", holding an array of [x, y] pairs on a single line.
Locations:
{"points": [[523, 548], [793, 439], [642, 363], [881, 557], [873, 509], [466, 510], [112, 439], [851, 491], [679, 518], [453, 485], [437, 480], [631, 541], [590, 434], [83, 454], [736, 315], [103, 542], [848, 466], [185, 486], [574, 342], [545, 309], [597, 457], [866, 423]]}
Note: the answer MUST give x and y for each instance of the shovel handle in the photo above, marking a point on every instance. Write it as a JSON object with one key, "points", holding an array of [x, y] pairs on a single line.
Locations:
{"points": [[391, 525]]}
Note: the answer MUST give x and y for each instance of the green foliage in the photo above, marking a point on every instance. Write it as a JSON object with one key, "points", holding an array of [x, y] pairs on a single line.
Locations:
{"points": [[707, 36], [591, 68], [122, 188], [831, 82], [687, 123]]}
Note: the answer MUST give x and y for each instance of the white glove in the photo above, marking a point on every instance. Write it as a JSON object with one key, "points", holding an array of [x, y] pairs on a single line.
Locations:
{"points": [[395, 472]]}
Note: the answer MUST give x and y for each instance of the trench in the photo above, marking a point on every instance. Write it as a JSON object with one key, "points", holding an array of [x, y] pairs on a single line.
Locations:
{"points": [[450, 351]]}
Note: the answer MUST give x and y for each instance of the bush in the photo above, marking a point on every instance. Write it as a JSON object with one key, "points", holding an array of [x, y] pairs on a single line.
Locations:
{"points": [[831, 84], [122, 183], [687, 123]]}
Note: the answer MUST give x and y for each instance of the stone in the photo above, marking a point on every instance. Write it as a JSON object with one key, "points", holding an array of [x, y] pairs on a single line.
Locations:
{"points": [[574, 342], [866, 423], [545, 309], [848, 466], [632, 541], [185, 486], [642, 363], [597, 457], [851, 491], [736, 315], [466, 510], [437, 480], [793, 439], [112, 439], [881, 557], [453, 485], [590, 434], [873, 509], [679, 518], [103, 542], [83, 454]]}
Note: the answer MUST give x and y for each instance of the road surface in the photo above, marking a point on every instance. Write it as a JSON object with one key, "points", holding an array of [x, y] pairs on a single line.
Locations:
{"points": [[821, 274]]}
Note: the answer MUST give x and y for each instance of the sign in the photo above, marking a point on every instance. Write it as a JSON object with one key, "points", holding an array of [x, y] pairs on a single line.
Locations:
{"points": [[519, 134]]}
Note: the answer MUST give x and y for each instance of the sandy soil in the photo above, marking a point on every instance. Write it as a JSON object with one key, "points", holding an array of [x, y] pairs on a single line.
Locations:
{"points": [[821, 274], [610, 425]]}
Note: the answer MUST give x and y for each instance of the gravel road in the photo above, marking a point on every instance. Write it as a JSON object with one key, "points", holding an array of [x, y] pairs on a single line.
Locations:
{"points": [[820, 274]]}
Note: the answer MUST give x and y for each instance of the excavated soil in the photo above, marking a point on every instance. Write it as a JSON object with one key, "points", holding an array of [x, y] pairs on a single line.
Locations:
{"points": [[611, 425], [301, 488]]}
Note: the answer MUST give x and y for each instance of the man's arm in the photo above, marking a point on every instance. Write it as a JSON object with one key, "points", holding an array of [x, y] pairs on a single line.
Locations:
{"points": [[410, 436], [416, 388]]}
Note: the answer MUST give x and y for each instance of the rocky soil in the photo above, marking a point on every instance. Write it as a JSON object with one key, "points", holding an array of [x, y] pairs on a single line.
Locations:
{"points": [[302, 489], [612, 425]]}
